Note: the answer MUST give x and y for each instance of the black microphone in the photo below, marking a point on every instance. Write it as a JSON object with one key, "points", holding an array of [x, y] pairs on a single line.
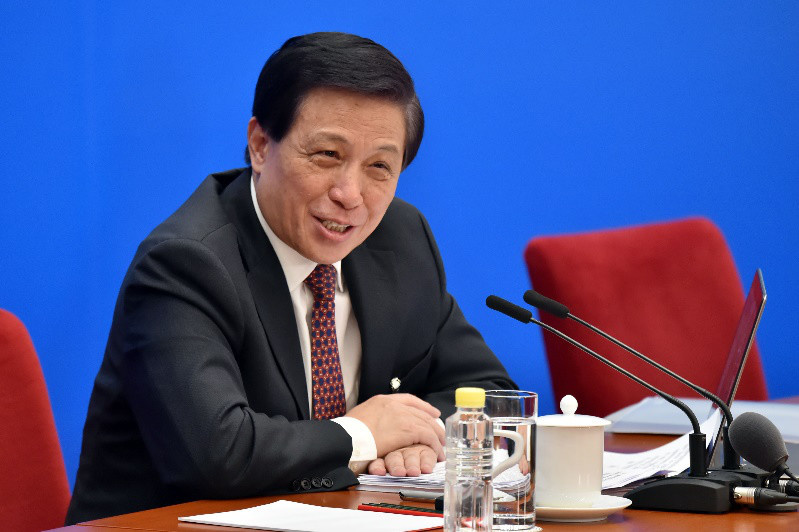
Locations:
{"points": [[697, 491], [759, 441], [509, 309], [546, 304], [696, 439], [541, 302]]}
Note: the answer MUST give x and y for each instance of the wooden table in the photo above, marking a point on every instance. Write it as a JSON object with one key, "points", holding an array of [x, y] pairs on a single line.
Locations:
{"points": [[166, 519]]}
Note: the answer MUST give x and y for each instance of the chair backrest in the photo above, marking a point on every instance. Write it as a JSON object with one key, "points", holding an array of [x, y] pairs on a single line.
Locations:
{"points": [[34, 491], [670, 290]]}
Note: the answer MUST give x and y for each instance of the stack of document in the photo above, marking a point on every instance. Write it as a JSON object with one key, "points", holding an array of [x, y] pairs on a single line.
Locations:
{"points": [[511, 479]]}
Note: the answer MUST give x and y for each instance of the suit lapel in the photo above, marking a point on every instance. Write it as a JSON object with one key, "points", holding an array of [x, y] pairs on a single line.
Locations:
{"points": [[372, 282], [269, 290], [273, 301]]}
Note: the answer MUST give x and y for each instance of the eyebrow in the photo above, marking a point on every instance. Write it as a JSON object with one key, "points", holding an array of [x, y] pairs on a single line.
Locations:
{"points": [[335, 137]]}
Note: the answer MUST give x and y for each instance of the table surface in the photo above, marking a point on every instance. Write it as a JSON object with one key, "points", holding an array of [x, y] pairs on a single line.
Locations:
{"points": [[166, 519]]}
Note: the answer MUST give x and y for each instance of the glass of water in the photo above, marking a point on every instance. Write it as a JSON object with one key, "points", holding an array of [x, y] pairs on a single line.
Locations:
{"points": [[514, 505]]}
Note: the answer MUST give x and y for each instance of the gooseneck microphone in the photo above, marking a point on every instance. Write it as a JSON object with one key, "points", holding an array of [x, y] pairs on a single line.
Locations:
{"points": [[759, 441], [698, 490], [696, 443], [550, 306]]}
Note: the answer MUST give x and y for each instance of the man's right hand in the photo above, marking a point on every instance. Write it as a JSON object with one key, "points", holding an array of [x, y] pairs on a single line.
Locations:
{"points": [[401, 420]]}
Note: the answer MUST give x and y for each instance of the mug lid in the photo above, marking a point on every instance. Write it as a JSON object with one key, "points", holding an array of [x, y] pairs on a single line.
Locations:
{"points": [[568, 405]]}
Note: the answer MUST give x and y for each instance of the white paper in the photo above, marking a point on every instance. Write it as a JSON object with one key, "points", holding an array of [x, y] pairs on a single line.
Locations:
{"points": [[510, 479], [619, 469], [292, 516]]}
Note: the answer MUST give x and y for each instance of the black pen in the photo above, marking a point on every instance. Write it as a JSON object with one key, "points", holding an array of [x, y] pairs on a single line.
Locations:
{"points": [[435, 497]]}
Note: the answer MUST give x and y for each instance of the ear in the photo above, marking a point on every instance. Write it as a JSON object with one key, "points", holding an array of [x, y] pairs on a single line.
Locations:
{"points": [[258, 144]]}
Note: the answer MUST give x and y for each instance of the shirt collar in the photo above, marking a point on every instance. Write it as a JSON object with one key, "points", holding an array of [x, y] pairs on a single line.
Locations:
{"points": [[296, 267]]}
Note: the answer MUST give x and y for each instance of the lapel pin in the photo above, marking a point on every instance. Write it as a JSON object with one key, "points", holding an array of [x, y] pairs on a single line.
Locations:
{"points": [[395, 385]]}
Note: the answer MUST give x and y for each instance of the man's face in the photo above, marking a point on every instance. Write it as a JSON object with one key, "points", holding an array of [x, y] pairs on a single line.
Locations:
{"points": [[324, 188]]}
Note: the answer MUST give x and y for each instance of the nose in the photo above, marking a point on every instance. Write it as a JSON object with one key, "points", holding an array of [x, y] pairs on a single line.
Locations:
{"points": [[346, 189]]}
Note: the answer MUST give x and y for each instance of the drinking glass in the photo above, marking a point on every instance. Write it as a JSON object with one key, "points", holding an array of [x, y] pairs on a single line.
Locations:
{"points": [[514, 505]]}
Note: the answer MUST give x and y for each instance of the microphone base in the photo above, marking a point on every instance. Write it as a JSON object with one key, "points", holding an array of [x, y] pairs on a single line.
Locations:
{"points": [[783, 507], [684, 493]]}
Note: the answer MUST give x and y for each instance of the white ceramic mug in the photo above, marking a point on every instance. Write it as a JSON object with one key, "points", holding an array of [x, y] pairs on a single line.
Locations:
{"points": [[569, 449]]}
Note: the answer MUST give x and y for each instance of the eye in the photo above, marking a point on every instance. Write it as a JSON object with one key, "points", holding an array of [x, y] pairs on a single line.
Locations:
{"points": [[325, 158], [381, 171]]}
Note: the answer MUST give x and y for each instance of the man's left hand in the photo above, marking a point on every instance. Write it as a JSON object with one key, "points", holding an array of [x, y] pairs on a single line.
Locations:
{"points": [[405, 462]]}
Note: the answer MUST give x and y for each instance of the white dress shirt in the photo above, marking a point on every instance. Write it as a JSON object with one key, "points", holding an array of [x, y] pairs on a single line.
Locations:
{"points": [[296, 269]]}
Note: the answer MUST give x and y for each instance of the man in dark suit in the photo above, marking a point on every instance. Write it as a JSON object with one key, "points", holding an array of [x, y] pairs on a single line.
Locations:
{"points": [[289, 325]]}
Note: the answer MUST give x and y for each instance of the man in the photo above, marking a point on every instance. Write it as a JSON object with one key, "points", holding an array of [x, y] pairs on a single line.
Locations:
{"points": [[262, 329]]}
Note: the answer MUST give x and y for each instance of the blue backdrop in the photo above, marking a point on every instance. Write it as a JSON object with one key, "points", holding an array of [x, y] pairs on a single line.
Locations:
{"points": [[541, 119]]}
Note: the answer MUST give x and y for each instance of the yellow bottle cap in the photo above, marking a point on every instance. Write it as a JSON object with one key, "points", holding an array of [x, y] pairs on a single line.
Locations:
{"points": [[470, 397]]}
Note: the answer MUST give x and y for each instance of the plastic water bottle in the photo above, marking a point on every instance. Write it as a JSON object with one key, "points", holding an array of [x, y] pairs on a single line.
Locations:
{"points": [[468, 491]]}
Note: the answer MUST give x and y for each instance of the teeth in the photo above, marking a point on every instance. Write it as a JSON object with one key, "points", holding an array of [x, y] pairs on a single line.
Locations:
{"points": [[333, 226]]}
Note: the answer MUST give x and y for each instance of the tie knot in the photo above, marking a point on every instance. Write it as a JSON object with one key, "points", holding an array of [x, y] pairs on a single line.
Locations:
{"points": [[322, 282]]}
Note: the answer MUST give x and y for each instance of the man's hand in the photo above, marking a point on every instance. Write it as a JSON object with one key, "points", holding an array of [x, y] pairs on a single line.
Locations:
{"points": [[401, 420], [409, 461]]}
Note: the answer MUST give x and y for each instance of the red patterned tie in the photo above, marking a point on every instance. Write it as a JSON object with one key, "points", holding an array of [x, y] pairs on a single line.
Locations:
{"points": [[328, 385]]}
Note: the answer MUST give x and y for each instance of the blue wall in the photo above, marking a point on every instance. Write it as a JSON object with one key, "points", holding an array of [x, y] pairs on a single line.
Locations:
{"points": [[541, 119]]}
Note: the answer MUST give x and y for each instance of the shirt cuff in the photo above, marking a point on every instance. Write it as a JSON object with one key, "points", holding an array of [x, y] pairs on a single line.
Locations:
{"points": [[364, 449]]}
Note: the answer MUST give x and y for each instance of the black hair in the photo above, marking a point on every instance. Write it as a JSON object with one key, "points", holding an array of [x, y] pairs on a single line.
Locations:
{"points": [[334, 60]]}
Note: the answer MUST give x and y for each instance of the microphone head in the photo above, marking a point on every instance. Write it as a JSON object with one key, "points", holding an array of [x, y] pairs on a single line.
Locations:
{"points": [[509, 309], [758, 441], [547, 305]]}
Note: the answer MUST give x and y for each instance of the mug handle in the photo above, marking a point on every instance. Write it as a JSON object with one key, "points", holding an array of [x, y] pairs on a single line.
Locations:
{"points": [[518, 449]]}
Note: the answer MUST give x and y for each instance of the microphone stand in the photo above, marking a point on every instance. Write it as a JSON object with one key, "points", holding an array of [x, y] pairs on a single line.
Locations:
{"points": [[732, 461], [693, 491], [696, 440]]}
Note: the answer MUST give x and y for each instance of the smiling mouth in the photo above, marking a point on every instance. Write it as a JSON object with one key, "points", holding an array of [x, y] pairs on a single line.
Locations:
{"points": [[333, 226]]}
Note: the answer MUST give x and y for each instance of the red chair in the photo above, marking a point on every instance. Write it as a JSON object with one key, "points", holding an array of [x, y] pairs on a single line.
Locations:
{"points": [[670, 290], [34, 492]]}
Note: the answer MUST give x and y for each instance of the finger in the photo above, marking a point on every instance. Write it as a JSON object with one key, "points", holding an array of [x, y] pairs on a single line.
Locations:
{"points": [[524, 466], [434, 423], [432, 440], [430, 434], [419, 428], [395, 463], [412, 456], [427, 460], [438, 427], [413, 401], [377, 467]]}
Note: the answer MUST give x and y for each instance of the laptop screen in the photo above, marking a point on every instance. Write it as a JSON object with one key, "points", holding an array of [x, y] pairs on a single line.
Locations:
{"points": [[739, 351]]}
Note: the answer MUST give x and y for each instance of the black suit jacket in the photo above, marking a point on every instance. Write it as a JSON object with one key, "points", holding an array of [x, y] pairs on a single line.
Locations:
{"points": [[202, 393]]}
